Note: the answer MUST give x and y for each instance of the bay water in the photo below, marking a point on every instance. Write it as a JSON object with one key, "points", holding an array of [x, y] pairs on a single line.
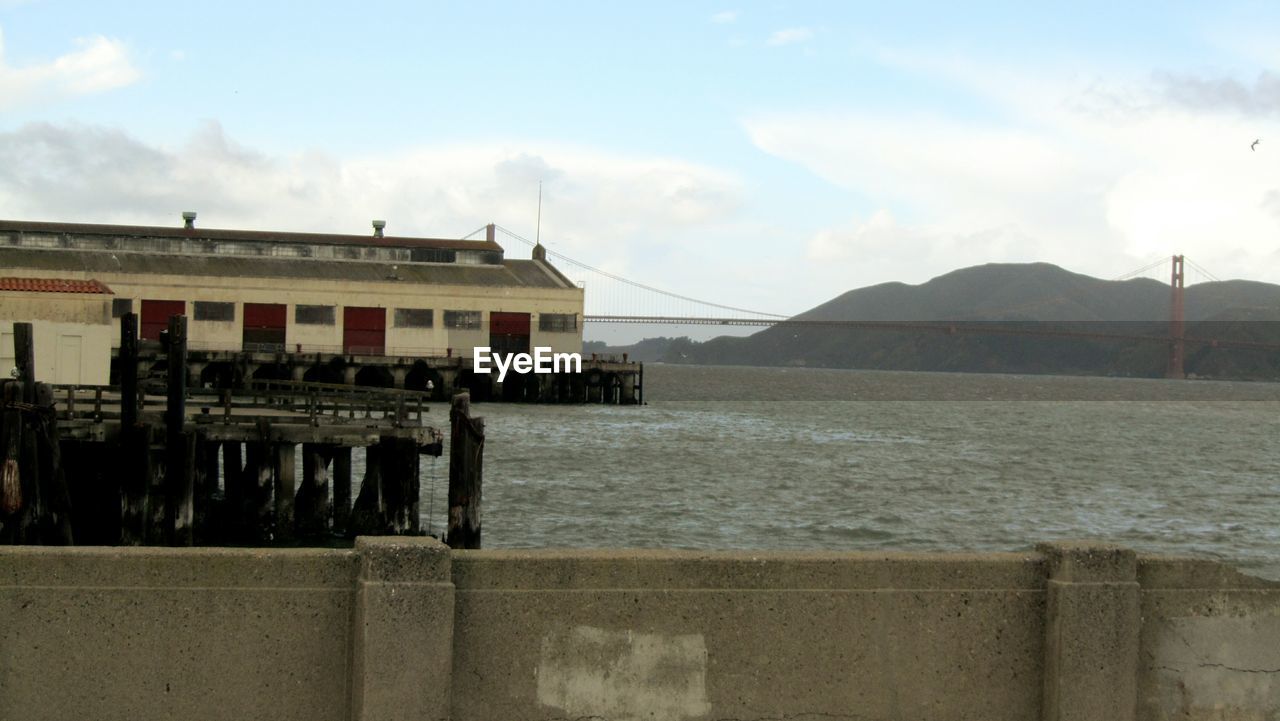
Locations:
{"points": [[808, 459]]}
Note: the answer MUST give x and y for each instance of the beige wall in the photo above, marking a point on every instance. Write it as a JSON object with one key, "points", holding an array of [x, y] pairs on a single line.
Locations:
{"points": [[402, 628], [365, 294], [91, 308], [213, 333]]}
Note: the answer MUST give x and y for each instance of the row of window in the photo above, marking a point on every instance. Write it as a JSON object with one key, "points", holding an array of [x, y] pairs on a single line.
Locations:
{"points": [[203, 246], [327, 315]]}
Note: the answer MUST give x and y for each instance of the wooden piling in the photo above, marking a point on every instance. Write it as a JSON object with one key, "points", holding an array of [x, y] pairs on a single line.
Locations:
{"points": [[400, 484], [205, 516], [284, 489], [134, 462], [258, 474], [466, 461], [128, 370], [341, 488], [179, 486], [311, 509], [35, 506], [367, 517], [24, 358], [233, 493]]}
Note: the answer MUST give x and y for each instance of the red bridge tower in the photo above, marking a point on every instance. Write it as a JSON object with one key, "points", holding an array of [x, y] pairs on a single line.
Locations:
{"points": [[1176, 321]]}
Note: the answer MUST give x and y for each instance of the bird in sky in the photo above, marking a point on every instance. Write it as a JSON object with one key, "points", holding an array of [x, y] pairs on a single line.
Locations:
{"points": [[1254, 144]]}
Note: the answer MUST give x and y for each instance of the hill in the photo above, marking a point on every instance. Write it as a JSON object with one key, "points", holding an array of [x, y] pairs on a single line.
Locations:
{"points": [[1037, 297]]}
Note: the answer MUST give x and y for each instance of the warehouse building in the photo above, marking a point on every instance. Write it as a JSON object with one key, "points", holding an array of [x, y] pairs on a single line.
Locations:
{"points": [[305, 300]]}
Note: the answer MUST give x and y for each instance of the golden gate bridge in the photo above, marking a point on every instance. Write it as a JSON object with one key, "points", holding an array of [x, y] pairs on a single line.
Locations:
{"points": [[718, 314]]}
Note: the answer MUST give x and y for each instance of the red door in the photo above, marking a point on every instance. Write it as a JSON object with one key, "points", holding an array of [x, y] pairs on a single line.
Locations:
{"points": [[155, 316], [509, 332], [264, 326], [364, 331]]}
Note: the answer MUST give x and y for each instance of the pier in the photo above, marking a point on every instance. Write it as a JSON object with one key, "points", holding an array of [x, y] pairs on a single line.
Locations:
{"points": [[155, 462], [604, 379]]}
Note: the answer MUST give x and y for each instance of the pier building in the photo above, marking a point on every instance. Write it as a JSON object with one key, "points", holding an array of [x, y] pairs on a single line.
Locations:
{"points": [[71, 321], [372, 309]]}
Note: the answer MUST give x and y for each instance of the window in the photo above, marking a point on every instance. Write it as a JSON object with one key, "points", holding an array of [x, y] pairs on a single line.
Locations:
{"points": [[314, 315], [462, 319], [557, 322], [120, 306], [432, 255], [207, 310], [414, 317]]}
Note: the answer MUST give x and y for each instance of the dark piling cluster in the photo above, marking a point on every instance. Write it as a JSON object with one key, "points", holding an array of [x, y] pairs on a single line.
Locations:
{"points": [[217, 467]]}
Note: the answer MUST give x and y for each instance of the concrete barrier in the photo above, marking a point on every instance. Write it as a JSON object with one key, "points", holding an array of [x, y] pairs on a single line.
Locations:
{"points": [[402, 628]]}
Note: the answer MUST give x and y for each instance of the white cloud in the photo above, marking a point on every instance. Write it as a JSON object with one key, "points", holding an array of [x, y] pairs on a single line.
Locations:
{"points": [[99, 64], [789, 36], [607, 208], [725, 17], [1092, 175]]}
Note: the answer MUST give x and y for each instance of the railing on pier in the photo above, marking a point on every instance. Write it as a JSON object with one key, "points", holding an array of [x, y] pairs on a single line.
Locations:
{"points": [[313, 403], [321, 402]]}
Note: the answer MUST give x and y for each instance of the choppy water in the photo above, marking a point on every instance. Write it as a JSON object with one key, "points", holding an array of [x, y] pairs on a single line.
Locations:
{"points": [[857, 460]]}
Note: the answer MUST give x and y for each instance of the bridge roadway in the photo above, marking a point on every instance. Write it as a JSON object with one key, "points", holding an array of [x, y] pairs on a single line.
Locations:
{"points": [[1014, 328]]}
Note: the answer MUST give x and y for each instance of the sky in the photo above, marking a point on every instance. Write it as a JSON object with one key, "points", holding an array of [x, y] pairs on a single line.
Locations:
{"points": [[763, 155]]}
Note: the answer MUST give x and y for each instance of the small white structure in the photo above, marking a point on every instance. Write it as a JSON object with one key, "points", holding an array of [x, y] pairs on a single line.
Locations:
{"points": [[71, 324]]}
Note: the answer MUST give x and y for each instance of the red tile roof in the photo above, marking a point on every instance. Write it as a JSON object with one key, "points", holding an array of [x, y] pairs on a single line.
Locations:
{"points": [[53, 285]]}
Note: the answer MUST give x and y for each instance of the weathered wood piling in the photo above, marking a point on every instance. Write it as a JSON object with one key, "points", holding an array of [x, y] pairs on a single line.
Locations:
{"points": [[34, 503], [213, 467], [466, 463]]}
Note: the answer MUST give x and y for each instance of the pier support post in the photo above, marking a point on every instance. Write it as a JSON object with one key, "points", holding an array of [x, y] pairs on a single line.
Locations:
{"points": [[233, 489], [402, 664], [1092, 624], [179, 480], [206, 485], [285, 485], [400, 483], [466, 472], [341, 488], [312, 507], [257, 487]]}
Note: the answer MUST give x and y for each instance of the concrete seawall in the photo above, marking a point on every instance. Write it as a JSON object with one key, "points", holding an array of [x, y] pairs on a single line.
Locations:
{"points": [[402, 628]]}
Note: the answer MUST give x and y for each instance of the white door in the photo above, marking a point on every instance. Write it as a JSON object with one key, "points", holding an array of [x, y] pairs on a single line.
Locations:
{"points": [[67, 369], [7, 358]]}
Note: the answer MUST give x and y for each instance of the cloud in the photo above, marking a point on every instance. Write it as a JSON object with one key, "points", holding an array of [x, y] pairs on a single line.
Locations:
{"points": [[98, 64], [1093, 175], [608, 208], [1261, 97], [881, 248], [789, 36], [725, 17]]}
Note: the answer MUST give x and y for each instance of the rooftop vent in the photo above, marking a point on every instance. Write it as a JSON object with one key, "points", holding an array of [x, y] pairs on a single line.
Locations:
{"points": [[378, 225], [189, 219]]}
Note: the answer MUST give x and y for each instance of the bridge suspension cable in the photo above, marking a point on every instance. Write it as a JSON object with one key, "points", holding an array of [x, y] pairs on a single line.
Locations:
{"points": [[1158, 270], [1200, 269], [615, 278], [1159, 262]]}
